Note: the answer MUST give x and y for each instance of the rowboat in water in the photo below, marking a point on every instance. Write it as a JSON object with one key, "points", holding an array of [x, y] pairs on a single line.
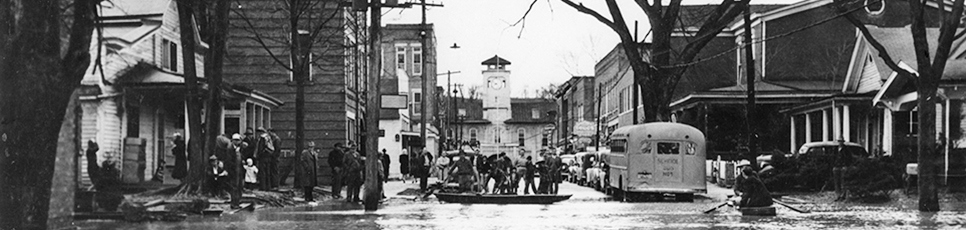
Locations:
{"points": [[466, 198]]}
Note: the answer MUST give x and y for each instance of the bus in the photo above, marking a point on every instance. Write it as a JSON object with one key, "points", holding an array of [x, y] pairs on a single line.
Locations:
{"points": [[656, 160]]}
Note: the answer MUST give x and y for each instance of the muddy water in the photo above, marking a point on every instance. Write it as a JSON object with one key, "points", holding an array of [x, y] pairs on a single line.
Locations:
{"points": [[579, 214]]}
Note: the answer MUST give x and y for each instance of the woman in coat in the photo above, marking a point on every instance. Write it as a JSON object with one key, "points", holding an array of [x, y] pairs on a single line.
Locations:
{"points": [[306, 170], [404, 165], [180, 158]]}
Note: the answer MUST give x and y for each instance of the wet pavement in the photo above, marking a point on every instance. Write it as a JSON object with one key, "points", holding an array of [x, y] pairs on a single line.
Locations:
{"points": [[587, 209]]}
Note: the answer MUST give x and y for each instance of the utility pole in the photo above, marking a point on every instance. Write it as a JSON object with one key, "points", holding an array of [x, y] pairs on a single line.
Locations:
{"points": [[750, 109], [600, 91], [449, 94], [373, 102], [636, 87], [424, 79]]}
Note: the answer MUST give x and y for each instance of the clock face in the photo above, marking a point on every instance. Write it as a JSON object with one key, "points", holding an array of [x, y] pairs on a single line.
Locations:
{"points": [[496, 83]]}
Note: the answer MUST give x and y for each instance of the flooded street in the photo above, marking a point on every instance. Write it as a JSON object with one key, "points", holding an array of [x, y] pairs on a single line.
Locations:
{"points": [[587, 210]]}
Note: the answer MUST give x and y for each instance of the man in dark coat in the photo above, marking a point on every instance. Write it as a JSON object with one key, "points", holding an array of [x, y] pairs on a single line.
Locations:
{"points": [[421, 163], [236, 173], [336, 164], [385, 164], [753, 191], [353, 163], [554, 166], [306, 171], [277, 143], [264, 152]]}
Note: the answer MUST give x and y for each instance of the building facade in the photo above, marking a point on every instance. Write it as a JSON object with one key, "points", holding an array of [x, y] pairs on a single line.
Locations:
{"points": [[578, 102], [403, 59], [132, 102], [259, 57], [496, 122]]}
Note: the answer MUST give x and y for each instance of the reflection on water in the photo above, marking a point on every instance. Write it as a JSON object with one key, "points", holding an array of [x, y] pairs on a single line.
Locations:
{"points": [[423, 215]]}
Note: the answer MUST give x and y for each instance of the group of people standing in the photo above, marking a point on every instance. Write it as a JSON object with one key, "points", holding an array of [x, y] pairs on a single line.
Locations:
{"points": [[348, 169], [241, 161], [416, 166], [507, 173]]}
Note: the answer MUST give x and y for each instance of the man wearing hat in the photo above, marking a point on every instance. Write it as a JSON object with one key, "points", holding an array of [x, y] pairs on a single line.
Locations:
{"points": [[264, 151], [743, 164], [235, 171], [306, 171]]}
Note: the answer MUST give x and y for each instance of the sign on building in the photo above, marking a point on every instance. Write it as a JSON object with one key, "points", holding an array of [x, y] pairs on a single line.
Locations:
{"points": [[584, 128]]}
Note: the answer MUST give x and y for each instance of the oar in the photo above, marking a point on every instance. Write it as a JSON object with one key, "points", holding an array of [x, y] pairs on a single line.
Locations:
{"points": [[715, 208], [789, 206]]}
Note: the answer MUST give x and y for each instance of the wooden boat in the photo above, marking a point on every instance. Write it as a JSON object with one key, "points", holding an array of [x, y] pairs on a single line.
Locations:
{"points": [[758, 211], [500, 199]]}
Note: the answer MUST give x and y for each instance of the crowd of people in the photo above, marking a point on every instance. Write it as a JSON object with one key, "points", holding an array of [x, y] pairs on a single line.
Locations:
{"points": [[248, 161], [474, 173]]}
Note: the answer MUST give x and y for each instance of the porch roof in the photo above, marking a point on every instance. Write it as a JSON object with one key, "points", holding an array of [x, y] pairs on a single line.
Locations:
{"points": [[766, 93], [851, 99]]}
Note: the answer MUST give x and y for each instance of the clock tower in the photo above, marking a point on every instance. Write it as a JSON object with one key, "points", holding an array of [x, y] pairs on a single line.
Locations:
{"points": [[496, 93]]}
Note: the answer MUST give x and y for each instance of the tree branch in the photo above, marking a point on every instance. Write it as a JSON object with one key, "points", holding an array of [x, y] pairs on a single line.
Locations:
{"points": [[583, 9], [258, 38], [714, 24], [883, 53], [947, 33]]}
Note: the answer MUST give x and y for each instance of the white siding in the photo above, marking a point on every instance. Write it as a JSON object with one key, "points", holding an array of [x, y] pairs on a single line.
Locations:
{"points": [[871, 80]]}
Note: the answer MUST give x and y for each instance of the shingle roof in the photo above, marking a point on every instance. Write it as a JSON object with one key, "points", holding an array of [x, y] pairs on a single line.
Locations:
{"points": [[900, 46], [496, 60], [133, 7]]}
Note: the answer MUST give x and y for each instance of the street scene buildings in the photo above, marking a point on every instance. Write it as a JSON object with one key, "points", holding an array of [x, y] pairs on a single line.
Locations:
{"points": [[297, 114]]}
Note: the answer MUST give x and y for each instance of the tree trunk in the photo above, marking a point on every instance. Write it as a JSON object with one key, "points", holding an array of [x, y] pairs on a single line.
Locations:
{"points": [[33, 96], [194, 183], [217, 34], [372, 194]]}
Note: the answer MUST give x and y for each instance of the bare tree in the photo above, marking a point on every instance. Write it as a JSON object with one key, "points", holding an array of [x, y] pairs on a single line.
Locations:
{"points": [[195, 181], [929, 71], [310, 41], [44, 51], [547, 92], [658, 74]]}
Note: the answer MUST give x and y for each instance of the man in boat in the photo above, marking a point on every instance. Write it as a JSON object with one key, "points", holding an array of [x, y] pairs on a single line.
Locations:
{"points": [[499, 173], [554, 166], [528, 177], [464, 171], [519, 171], [752, 191]]}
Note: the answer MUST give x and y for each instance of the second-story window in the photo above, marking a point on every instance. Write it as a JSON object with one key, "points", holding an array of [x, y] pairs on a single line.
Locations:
{"points": [[535, 113], [417, 60], [400, 58], [169, 55]]}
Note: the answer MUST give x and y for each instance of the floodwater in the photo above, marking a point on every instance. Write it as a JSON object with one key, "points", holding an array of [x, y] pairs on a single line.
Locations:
{"points": [[571, 214]]}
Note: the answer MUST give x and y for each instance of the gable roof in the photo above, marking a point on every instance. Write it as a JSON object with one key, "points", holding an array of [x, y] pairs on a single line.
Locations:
{"points": [[117, 8], [694, 15], [496, 60], [898, 42]]}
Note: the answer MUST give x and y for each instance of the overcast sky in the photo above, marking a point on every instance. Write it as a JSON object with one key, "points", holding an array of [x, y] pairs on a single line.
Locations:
{"points": [[557, 42]]}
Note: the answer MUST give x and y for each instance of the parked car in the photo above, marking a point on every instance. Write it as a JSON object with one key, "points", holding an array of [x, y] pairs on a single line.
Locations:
{"points": [[822, 148]]}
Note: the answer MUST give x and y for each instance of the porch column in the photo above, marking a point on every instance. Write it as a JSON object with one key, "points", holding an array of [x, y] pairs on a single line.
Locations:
{"points": [[886, 131], [791, 143], [837, 124], [808, 127], [825, 131], [846, 123]]}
